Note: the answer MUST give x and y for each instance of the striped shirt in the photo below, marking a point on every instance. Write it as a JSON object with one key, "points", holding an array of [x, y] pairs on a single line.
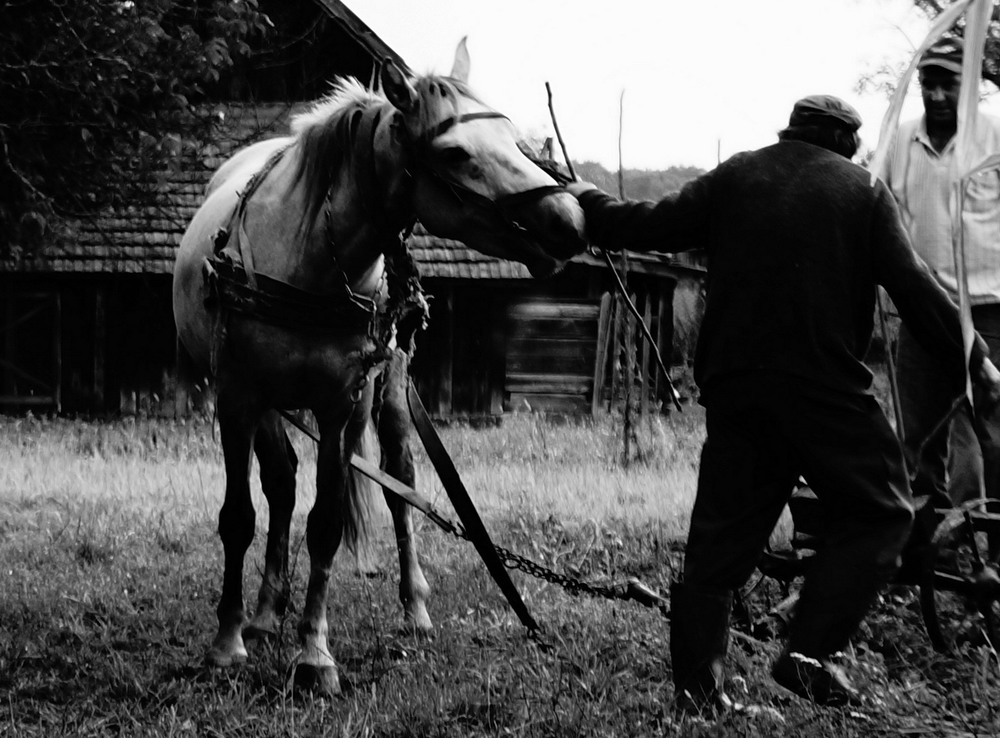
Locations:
{"points": [[919, 178]]}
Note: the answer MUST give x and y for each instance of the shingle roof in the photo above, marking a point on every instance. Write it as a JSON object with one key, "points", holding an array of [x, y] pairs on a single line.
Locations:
{"points": [[446, 258], [142, 239]]}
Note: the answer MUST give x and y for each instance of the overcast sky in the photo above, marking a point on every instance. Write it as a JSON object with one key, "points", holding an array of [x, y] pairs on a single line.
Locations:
{"points": [[699, 77]]}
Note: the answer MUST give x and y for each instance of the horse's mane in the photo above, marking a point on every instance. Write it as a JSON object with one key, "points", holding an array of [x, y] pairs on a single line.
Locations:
{"points": [[432, 92], [326, 132]]}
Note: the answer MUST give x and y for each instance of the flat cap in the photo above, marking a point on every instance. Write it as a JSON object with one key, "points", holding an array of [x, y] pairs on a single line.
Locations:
{"points": [[824, 110], [945, 53]]}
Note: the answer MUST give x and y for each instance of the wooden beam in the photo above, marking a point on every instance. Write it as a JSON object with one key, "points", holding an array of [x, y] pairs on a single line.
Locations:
{"points": [[553, 311], [8, 333], [497, 374], [665, 337], [57, 350], [617, 327], [601, 360], [644, 366], [100, 345], [445, 388], [548, 384]]}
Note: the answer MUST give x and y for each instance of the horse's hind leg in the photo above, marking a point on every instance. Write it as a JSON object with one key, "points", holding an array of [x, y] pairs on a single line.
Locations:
{"points": [[236, 527], [277, 479], [394, 434]]}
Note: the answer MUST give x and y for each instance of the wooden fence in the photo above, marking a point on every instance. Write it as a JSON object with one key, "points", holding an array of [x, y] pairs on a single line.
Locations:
{"points": [[625, 367]]}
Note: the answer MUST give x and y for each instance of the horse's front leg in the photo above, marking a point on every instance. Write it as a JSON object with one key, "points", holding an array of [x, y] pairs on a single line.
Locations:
{"points": [[236, 526], [316, 669], [278, 464], [394, 434]]}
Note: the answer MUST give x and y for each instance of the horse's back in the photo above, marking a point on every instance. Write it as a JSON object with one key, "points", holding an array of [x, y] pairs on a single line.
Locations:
{"points": [[221, 197], [237, 169]]}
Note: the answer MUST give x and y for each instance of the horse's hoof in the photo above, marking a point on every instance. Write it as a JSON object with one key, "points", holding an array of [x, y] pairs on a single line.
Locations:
{"points": [[422, 630], [417, 622], [224, 658], [322, 680]]}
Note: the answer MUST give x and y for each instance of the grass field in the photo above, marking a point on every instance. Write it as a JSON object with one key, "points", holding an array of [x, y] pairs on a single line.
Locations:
{"points": [[110, 569]]}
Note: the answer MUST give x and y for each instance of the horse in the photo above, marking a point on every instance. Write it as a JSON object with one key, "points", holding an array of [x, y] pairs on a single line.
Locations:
{"points": [[282, 295]]}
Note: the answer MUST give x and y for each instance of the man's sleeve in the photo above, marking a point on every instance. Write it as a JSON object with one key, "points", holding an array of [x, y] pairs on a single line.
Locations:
{"points": [[678, 222], [923, 305]]}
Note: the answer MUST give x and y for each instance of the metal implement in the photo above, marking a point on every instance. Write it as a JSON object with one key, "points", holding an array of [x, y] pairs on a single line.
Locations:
{"points": [[943, 558]]}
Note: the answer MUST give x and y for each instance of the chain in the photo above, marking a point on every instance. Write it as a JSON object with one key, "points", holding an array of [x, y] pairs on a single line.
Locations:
{"points": [[632, 589]]}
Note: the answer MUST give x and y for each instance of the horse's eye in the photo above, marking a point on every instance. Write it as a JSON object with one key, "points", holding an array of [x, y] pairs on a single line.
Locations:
{"points": [[455, 156]]}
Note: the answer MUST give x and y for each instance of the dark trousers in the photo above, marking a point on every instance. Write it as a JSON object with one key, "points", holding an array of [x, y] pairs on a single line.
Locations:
{"points": [[962, 461], [764, 432]]}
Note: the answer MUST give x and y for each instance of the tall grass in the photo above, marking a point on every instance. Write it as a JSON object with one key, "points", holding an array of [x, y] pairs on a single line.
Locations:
{"points": [[110, 569]]}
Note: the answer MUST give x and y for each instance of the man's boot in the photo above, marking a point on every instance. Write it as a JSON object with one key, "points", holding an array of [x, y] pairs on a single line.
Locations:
{"points": [[804, 666], [817, 680], [699, 638]]}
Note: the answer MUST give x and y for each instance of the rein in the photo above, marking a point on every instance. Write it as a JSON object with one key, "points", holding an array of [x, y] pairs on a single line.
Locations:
{"points": [[503, 207]]}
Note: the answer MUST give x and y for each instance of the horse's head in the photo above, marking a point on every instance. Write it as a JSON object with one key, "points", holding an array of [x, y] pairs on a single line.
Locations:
{"points": [[471, 180]]}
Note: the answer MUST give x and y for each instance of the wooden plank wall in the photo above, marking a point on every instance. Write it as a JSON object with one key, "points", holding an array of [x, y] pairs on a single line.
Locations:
{"points": [[551, 348]]}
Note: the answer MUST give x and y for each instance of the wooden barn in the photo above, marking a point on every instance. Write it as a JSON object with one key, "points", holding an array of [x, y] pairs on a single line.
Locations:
{"points": [[86, 324]]}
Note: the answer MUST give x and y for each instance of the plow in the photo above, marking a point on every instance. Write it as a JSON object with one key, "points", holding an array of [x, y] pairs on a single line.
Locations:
{"points": [[952, 557]]}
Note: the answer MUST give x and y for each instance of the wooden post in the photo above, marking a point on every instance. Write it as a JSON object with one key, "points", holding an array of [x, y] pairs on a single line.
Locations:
{"points": [[448, 359], [7, 388], [664, 340], [644, 366], [497, 374], [100, 346], [57, 352], [628, 370], [617, 326], [601, 358]]}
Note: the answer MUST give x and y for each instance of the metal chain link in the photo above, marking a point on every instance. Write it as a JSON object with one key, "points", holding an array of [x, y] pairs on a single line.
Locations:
{"points": [[632, 589]]}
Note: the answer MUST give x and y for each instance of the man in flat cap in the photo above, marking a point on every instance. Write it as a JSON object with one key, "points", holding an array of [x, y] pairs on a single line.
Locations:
{"points": [[918, 171], [797, 240]]}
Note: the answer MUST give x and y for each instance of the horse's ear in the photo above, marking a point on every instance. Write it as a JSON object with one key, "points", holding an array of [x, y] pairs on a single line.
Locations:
{"points": [[397, 87], [460, 69]]}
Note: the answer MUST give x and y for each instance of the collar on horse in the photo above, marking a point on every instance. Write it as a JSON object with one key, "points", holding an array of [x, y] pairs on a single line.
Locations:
{"points": [[235, 285]]}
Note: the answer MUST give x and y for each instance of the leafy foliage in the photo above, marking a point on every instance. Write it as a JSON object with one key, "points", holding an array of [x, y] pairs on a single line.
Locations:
{"points": [[991, 56], [95, 93]]}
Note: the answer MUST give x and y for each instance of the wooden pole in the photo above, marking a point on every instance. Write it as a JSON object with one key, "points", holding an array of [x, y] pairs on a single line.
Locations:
{"points": [[644, 367], [555, 126], [601, 359]]}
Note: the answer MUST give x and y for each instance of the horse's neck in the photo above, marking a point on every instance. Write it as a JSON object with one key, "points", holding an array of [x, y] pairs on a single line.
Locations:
{"points": [[349, 243]]}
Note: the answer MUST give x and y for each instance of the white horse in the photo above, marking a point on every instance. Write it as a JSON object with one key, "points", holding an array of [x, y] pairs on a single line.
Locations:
{"points": [[309, 220]]}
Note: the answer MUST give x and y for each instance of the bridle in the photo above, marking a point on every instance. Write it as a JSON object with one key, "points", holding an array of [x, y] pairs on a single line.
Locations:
{"points": [[503, 208]]}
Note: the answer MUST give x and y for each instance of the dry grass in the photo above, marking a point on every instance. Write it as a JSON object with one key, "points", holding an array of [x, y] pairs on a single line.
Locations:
{"points": [[110, 568]]}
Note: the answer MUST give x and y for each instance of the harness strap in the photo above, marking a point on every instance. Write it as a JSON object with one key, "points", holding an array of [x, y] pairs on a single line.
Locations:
{"points": [[464, 507], [448, 123], [240, 250]]}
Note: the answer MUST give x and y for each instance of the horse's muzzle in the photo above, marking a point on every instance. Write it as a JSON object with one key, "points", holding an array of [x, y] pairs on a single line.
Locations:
{"points": [[558, 228]]}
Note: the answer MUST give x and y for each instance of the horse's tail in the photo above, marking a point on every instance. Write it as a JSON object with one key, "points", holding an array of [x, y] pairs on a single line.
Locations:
{"points": [[361, 491], [192, 377]]}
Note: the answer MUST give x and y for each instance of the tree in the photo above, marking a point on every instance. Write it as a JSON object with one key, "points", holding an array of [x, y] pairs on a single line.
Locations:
{"points": [[640, 184], [991, 55], [96, 94]]}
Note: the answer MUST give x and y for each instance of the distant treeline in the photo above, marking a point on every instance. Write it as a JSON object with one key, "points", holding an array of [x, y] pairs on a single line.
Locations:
{"points": [[640, 184]]}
